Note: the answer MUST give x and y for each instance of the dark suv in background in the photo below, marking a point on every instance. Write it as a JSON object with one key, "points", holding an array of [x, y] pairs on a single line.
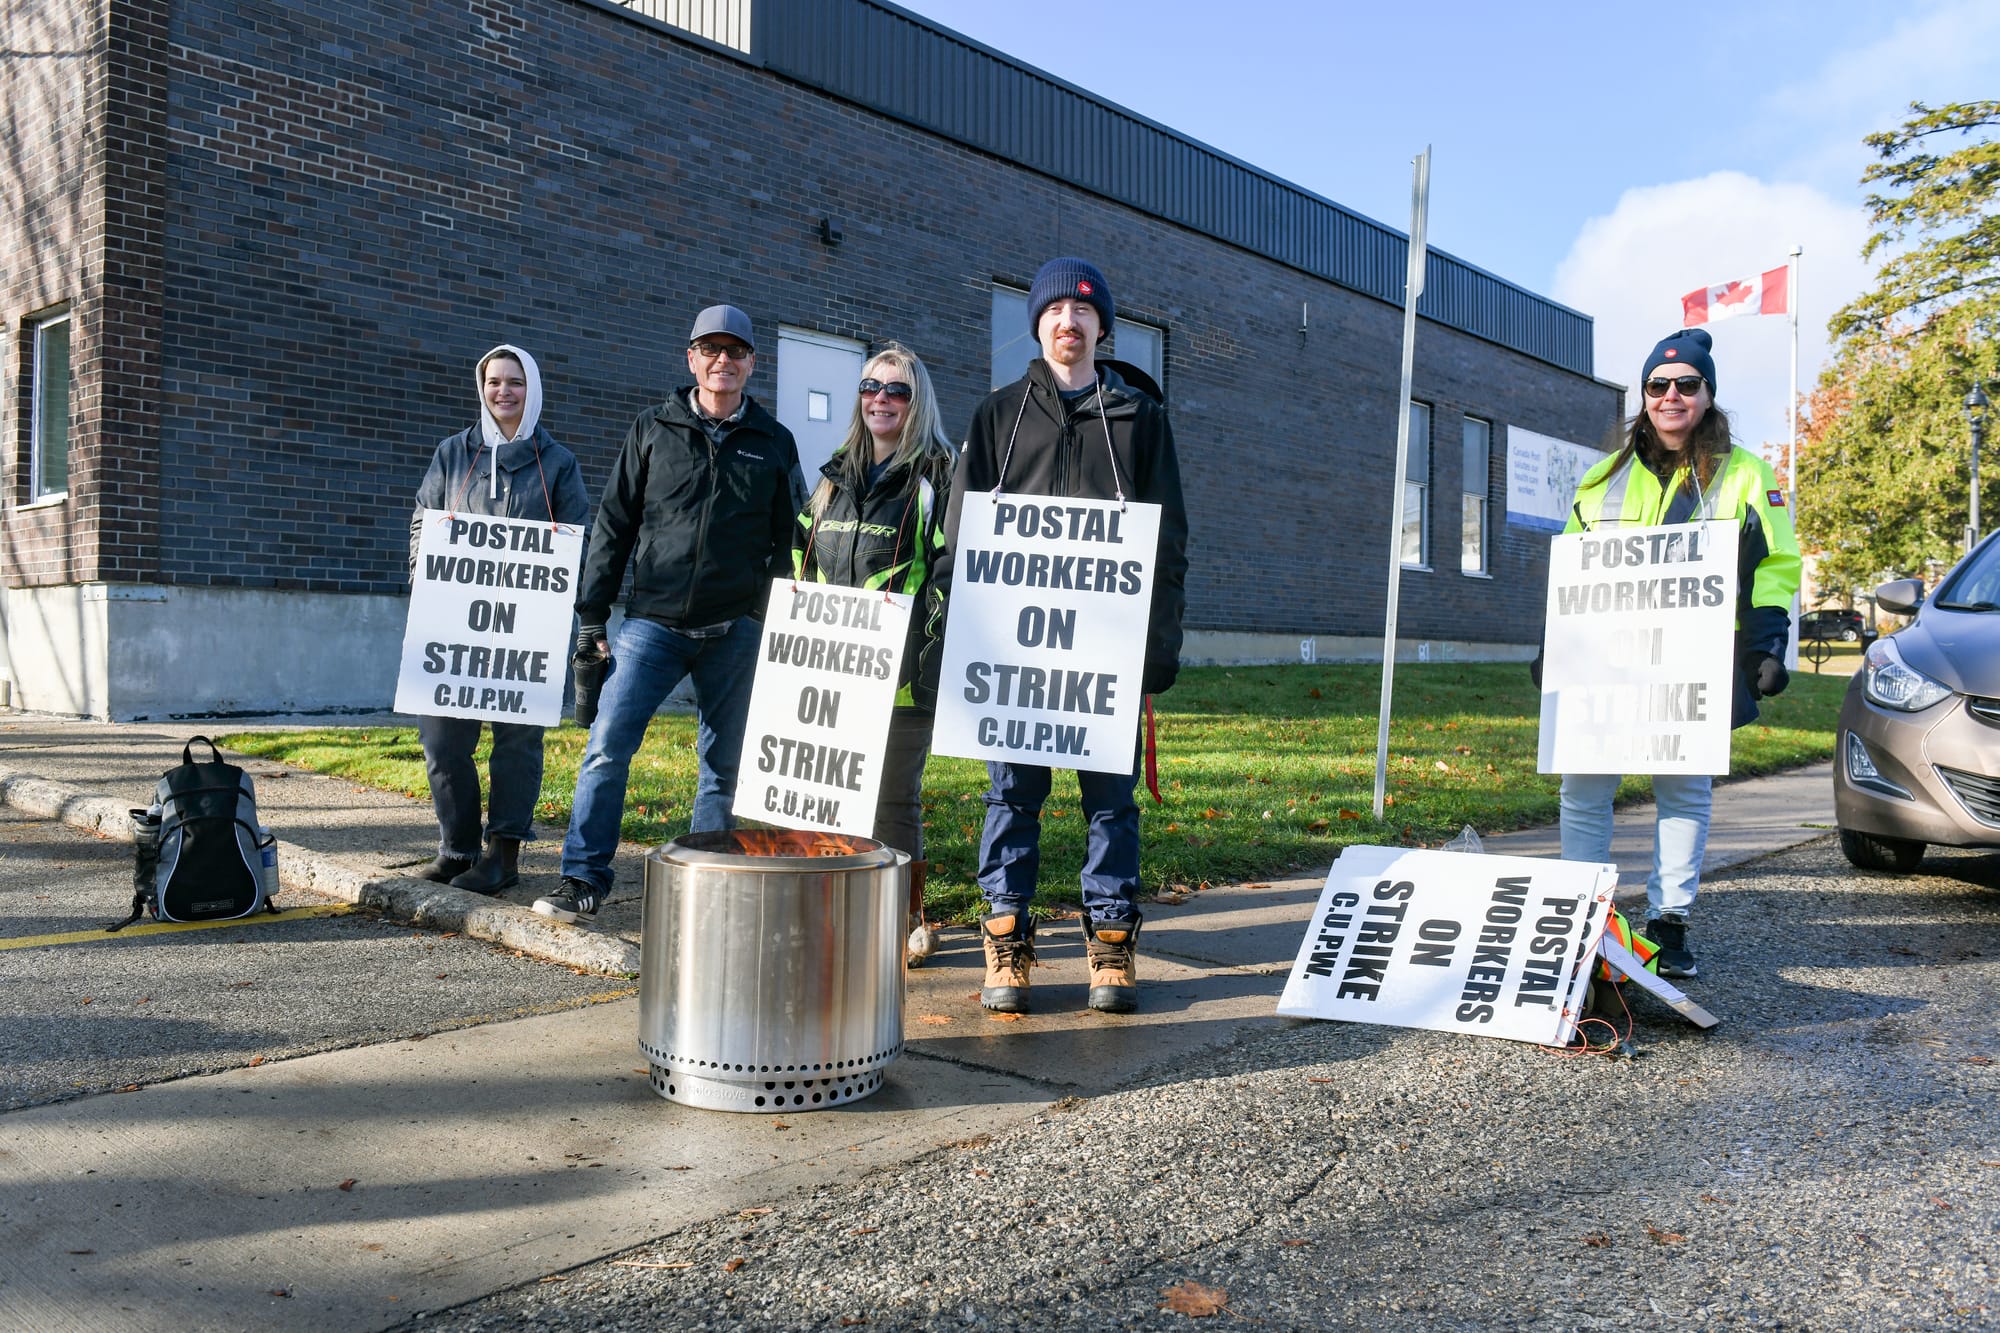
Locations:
{"points": [[1832, 623]]}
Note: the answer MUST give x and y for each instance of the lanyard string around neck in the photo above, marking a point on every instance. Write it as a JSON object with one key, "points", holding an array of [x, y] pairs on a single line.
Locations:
{"points": [[1117, 482]]}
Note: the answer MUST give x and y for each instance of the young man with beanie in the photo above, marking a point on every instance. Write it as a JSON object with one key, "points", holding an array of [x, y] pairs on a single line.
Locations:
{"points": [[1676, 464], [703, 492], [1072, 426]]}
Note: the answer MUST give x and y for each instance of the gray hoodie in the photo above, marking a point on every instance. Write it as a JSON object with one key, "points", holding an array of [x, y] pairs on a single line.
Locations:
{"points": [[536, 478]]}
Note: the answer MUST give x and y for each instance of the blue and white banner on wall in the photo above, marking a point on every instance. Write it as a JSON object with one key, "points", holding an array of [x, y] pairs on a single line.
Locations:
{"points": [[1542, 473]]}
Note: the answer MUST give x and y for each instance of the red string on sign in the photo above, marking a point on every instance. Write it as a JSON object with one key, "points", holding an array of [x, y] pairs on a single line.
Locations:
{"points": [[1152, 755]]}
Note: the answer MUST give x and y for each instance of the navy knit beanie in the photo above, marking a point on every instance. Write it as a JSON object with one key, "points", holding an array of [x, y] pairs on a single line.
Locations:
{"points": [[1061, 279], [1688, 347]]}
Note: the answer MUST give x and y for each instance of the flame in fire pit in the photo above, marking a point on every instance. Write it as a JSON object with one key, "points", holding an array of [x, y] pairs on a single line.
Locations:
{"points": [[789, 842]]}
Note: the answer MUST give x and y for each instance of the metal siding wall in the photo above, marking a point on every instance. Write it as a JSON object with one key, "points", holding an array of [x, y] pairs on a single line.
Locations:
{"points": [[904, 68]]}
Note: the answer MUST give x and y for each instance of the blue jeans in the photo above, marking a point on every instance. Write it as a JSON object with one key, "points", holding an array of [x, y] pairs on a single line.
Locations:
{"points": [[1680, 831], [1010, 849], [646, 663]]}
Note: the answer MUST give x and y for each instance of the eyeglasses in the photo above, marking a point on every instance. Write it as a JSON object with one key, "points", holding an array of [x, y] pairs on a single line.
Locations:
{"points": [[894, 388], [1689, 385], [734, 351]]}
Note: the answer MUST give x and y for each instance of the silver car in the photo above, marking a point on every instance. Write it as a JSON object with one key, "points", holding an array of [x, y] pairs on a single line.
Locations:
{"points": [[1919, 754]]}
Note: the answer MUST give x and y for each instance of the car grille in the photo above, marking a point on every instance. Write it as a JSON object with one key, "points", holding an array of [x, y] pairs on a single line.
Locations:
{"points": [[1977, 792], [1987, 710]]}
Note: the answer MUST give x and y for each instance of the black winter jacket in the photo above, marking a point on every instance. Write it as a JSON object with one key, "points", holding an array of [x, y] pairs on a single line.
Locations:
{"points": [[891, 538], [704, 527], [1060, 449]]}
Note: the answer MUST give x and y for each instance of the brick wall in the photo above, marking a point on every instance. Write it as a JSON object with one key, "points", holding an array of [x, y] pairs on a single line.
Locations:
{"points": [[362, 197]]}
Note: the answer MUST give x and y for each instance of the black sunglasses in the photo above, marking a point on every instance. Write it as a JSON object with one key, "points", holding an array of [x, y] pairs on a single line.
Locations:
{"points": [[1689, 385], [894, 388], [734, 351]]}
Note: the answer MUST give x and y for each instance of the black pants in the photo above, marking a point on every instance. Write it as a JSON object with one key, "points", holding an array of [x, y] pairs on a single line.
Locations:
{"points": [[514, 776]]}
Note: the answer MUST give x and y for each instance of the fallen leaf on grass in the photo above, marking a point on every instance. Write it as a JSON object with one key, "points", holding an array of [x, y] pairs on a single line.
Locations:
{"points": [[734, 1264], [1316, 826], [935, 1020], [347, 1185], [1211, 813], [1003, 1018], [1664, 1237], [1194, 1300], [1597, 1240]]}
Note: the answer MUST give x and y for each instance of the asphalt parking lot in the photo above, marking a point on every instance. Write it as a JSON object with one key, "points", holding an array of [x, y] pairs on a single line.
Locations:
{"points": [[1829, 1158], [97, 1014]]}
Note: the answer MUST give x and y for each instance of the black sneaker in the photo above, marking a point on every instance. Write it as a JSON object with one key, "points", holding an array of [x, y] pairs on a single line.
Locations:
{"points": [[574, 899], [1670, 932]]}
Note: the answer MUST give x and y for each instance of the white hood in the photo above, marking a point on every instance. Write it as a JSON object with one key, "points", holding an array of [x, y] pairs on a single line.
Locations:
{"points": [[531, 413]]}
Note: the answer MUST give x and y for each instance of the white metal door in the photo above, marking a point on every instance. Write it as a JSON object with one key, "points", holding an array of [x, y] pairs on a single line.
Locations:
{"points": [[817, 375]]}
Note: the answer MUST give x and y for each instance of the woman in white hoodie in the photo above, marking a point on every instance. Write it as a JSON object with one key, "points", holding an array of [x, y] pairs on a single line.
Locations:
{"points": [[506, 466]]}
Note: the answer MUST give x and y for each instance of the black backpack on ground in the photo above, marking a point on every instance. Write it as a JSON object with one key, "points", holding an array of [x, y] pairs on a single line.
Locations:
{"points": [[200, 853]]}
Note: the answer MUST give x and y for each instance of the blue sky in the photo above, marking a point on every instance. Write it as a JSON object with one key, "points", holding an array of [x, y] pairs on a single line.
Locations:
{"points": [[1612, 156]]}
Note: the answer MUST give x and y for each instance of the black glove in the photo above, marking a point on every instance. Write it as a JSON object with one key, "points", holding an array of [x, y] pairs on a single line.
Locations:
{"points": [[1535, 669], [590, 666], [1159, 677], [1765, 674]]}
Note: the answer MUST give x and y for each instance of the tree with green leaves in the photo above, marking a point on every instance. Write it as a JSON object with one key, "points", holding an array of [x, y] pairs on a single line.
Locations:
{"points": [[1884, 463]]}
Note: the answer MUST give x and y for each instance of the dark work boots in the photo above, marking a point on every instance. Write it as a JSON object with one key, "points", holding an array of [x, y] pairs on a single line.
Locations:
{"points": [[497, 869], [445, 869]]}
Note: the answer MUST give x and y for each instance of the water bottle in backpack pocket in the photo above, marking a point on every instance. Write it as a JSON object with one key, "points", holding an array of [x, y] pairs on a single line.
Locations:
{"points": [[200, 854]]}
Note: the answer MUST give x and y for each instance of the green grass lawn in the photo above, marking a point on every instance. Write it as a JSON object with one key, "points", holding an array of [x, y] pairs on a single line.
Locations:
{"points": [[1263, 770]]}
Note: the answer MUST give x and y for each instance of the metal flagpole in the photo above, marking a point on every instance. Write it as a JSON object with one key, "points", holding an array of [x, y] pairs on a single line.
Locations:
{"points": [[1413, 287], [1792, 443]]}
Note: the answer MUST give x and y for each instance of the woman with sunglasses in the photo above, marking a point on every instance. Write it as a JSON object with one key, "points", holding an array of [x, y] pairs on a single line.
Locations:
{"points": [[507, 466], [874, 521], [1675, 464]]}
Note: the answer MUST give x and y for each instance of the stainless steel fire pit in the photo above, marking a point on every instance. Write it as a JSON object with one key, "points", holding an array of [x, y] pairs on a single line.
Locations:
{"points": [[771, 968]]}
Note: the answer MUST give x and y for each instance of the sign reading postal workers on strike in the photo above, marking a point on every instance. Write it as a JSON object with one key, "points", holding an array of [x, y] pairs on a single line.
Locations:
{"points": [[818, 727], [488, 633], [1046, 643], [1638, 671], [1492, 946]]}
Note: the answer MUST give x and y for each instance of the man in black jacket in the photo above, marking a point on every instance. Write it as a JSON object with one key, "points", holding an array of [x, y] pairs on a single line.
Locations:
{"points": [[1072, 427], [700, 506]]}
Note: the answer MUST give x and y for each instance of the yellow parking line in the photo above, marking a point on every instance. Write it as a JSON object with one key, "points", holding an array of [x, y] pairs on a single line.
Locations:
{"points": [[172, 927]]}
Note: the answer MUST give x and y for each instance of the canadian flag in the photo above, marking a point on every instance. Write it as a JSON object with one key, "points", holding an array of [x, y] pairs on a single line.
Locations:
{"points": [[1765, 294]]}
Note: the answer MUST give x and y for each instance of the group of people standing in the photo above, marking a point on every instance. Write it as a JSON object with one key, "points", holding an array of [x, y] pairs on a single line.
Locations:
{"points": [[706, 505]]}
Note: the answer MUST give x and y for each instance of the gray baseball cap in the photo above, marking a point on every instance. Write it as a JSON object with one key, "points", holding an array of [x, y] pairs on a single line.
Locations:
{"points": [[723, 319]]}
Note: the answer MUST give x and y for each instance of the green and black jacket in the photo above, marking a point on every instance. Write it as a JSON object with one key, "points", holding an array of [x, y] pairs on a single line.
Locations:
{"points": [[887, 540]]}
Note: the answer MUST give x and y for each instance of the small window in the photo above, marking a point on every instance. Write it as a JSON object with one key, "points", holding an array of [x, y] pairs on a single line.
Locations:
{"points": [[1417, 488], [1473, 483], [1014, 345], [48, 458]]}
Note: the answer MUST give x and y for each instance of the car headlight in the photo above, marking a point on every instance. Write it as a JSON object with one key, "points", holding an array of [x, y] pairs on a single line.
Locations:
{"points": [[1893, 683]]}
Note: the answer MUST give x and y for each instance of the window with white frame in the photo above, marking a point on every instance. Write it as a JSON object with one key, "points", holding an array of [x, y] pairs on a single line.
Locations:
{"points": [[1473, 483], [48, 446], [1417, 488], [1014, 344]]}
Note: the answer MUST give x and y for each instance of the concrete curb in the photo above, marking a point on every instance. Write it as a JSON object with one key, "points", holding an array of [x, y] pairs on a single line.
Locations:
{"points": [[403, 898]]}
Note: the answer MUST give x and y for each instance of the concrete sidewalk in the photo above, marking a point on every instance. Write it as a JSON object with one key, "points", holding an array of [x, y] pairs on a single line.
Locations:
{"points": [[488, 1157]]}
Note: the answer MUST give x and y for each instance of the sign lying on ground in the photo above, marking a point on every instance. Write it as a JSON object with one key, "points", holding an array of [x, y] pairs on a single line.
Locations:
{"points": [[827, 671], [1637, 675], [1542, 473], [1045, 648], [488, 633], [1493, 946]]}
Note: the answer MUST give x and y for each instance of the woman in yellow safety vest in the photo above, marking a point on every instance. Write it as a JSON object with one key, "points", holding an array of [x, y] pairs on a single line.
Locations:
{"points": [[1677, 465]]}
